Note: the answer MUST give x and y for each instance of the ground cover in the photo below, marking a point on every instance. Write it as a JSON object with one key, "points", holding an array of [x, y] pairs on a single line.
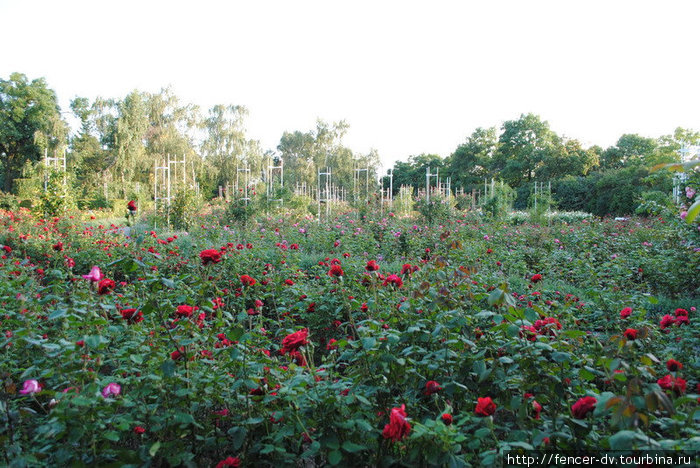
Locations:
{"points": [[362, 342]]}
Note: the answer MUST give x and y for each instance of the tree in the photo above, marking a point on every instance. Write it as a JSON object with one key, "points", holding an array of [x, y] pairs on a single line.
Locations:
{"points": [[87, 158], [630, 149], [413, 172], [471, 161], [523, 146], [569, 158], [30, 122]]}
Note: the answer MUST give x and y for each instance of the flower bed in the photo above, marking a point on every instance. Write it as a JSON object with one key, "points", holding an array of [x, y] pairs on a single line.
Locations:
{"points": [[368, 342]]}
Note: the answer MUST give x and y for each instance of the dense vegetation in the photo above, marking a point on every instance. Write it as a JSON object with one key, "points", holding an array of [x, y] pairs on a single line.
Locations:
{"points": [[113, 153], [364, 341]]}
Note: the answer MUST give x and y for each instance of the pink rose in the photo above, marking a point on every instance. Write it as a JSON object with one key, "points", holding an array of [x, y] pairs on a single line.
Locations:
{"points": [[94, 275], [112, 389], [30, 387]]}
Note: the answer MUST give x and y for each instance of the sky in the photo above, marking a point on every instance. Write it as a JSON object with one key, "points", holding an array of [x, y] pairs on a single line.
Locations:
{"points": [[408, 77]]}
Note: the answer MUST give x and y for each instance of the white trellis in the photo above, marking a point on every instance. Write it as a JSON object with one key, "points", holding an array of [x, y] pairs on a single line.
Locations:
{"points": [[428, 180], [323, 191], [274, 173], [357, 181], [243, 175], [163, 182], [687, 152], [58, 162]]}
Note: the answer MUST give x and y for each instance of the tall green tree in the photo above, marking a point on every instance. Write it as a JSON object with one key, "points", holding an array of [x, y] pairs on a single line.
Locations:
{"points": [[30, 121], [471, 161], [225, 147], [629, 149], [569, 158], [524, 145]]}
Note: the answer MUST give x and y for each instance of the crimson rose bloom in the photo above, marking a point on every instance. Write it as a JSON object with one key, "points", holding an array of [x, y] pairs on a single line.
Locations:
{"points": [[626, 312], [131, 315], [446, 419], [131, 205], [485, 407], [185, 310], [393, 279], [673, 365], [139, 430], [372, 266], [210, 256], [335, 270], [105, 286], [229, 461], [431, 387], [583, 406], [294, 341], [630, 334], [681, 312], [247, 280], [670, 383], [536, 277], [398, 427], [667, 321]]}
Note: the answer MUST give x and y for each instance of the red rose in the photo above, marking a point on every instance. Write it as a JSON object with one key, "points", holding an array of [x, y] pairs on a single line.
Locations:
{"points": [[393, 279], [105, 286], [431, 387], [247, 280], [229, 461], [372, 266], [626, 312], [676, 384], [630, 334], [446, 419], [131, 315], [58, 247], [667, 321], [398, 427], [131, 206], [139, 430], [536, 277], [335, 270], [681, 313], [185, 310], [583, 406], [294, 341], [673, 365], [210, 256], [485, 407]]}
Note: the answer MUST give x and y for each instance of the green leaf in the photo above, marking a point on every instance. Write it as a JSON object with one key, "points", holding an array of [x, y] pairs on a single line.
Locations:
{"points": [[168, 368], [352, 447], [622, 440], [58, 313], [137, 358], [368, 342], [334, 457], [154, 448], [561, 357], [111, 435], [496, 297], [693, 212]]}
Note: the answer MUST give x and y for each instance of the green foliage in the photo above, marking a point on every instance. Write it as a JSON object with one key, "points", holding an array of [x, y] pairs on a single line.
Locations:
{"points": [[184, 208], [436, 210], [197, 389], [8, 201], [57, 199], [655, 203], [30, 123], [499, 201]]}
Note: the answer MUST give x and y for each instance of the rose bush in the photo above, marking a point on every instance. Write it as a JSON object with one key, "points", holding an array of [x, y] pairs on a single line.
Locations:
{"points": [[435, 345]]}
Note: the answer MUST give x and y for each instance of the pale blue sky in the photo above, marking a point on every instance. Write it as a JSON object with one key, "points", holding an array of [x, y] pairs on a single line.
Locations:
{"points": [[409, 77]]}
